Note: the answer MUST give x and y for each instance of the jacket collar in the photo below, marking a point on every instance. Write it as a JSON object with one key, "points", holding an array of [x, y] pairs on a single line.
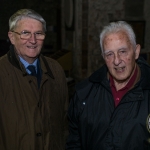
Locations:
{"points": [[145, 73], [14, 60], [99, 75]]}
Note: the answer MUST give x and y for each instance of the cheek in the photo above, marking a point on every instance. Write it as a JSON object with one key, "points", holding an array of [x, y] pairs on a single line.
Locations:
{"points": [[109, 64], [40, 43], [19, 42], [129, 63], [129, 60]]}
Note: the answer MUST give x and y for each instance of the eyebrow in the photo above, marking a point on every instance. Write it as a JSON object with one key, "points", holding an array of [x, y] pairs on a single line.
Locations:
{"points": [[107, 51], [33, 32]]}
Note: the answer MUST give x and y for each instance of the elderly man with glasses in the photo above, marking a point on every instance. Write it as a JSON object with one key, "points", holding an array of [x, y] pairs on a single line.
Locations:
{"points": [[33, 89], [110, 110]]}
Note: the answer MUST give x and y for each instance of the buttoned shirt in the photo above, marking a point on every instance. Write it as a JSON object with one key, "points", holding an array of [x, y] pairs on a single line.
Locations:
{"points": [[120, 93], [26, 64]]}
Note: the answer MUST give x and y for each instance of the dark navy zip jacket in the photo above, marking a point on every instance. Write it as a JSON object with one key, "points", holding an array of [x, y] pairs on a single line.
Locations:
{"points": [[96, 124]]}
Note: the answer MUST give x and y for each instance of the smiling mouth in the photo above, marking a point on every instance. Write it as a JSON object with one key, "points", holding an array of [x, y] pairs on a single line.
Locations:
{"points": [[120, 69], [31, 47]]}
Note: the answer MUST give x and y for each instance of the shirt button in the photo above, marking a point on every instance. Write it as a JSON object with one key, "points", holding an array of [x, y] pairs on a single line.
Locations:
{"points": [[39, 134], [117, 99]]}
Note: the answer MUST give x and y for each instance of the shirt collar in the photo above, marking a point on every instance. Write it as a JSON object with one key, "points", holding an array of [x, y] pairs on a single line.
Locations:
{"points": [[26, 64]]}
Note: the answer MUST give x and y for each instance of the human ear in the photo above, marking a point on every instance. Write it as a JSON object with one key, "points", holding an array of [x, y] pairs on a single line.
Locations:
{"points": [[137, 51], [11, 37]]}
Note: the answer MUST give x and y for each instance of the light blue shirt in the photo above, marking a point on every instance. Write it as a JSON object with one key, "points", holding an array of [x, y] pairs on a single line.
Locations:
{"points": [[26, 64]]}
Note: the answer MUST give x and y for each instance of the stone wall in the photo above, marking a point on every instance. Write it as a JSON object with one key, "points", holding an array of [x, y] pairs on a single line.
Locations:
{"points": [[100, 14], [47, 8], [90, 17], [147, 27]]}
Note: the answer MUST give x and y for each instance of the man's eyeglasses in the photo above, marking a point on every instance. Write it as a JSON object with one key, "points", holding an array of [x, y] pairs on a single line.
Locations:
{"points": [[111, 55], [27, 35]]}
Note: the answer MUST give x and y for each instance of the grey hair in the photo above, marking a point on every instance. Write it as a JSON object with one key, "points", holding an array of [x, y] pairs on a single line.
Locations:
{"points": [[25, 13], [115, 27]]}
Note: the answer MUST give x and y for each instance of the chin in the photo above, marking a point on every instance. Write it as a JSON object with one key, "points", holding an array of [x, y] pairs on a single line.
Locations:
{"points": [[33, 54], [120, 78], [123, 79]]}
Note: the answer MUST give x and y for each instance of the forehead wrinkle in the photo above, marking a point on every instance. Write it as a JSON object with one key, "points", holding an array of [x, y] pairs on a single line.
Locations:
{"points": [[121, 35]]}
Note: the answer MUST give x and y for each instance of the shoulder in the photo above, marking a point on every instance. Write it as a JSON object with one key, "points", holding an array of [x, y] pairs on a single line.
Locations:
{"points": [[53, 64], [53, 67], [51, 61], [144, 66], [91, 84], [83, 84], [4, 63], [6, 70], [84, 88], [3, 58]]}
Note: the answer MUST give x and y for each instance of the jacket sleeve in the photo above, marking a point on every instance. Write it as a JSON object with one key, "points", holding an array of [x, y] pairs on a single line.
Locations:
{"points": [[73, 140]]}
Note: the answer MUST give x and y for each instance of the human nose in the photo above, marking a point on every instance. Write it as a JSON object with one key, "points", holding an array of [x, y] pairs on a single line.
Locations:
{"points": [[117, 59], [32, 38]]}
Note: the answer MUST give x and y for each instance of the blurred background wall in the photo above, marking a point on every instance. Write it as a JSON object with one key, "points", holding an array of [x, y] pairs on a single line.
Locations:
{"points": [[73, 28]]}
